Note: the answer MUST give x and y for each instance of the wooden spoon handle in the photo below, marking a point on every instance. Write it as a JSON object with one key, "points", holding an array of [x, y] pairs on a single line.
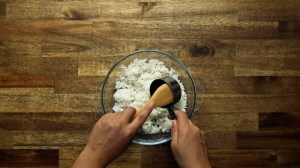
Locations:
{"points": [[140, 110], [162, 96]]}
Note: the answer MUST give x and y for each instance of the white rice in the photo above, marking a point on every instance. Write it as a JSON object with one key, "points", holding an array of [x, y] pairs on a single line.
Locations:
{"points": [[132, 88]]}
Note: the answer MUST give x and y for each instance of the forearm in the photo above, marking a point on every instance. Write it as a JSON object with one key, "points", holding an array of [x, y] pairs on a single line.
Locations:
{"points": [[89, 159]]}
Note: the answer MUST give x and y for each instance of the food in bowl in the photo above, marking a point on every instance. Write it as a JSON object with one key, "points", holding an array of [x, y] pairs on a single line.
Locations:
{"points": [[194, 98], [132, 88]]}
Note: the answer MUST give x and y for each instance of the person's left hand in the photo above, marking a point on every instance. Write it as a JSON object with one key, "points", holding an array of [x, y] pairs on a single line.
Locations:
{"points": [[111, 136]]}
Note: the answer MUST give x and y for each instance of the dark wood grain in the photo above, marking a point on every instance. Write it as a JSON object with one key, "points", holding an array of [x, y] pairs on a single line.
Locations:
{"points": [[49, 139], [13, 65], [54, 56], [220, 139], [248, 66], [234, 122], [6, 139], [29, 158], [289, 29], [243, 158], [78, 84], [269, 10], [67, 47], [279, 121], [26, 81], [68, 156], [21, 48], [221, 84], [288, 158], [2, 10], [158, 156], [26, 90], [18, 10], [184, 50], [95, 66], [252, 58], [41, 102], [268, 48], [258, 30], [48, 121], [121, 29], [133, 153], [78, 10], [250, 103], [45, 30], [268, 140]]}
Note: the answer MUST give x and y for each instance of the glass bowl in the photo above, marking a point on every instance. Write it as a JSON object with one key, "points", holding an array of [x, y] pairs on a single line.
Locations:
{"points": [[108, 90]]}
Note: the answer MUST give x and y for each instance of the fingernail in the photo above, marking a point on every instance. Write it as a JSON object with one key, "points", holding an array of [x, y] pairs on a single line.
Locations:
{"points": [[174, 123], [151, 105], [135, 108]]}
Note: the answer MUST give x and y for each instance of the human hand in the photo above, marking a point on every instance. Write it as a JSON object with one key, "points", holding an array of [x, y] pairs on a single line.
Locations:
{"points": [[111, 136], [188, 143]]}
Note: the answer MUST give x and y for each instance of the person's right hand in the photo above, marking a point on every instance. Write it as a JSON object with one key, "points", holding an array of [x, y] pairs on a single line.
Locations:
{"points": [[188, 143]]}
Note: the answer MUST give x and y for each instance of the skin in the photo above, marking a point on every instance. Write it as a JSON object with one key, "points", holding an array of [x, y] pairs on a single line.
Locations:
{"points": [[188, 145], [109, 139]]}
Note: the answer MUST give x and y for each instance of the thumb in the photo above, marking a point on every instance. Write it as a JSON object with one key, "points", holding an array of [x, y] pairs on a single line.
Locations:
{"points": [[174, 131]]}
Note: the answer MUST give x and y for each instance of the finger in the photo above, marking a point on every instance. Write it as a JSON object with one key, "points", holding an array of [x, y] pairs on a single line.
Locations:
{"points": [[106, 116], [204, 147], [182, 118], [128, 113], [142, 117], [174, 131]]}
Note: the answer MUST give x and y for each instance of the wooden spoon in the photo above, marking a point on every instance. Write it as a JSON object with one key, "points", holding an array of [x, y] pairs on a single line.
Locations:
{"points": [[162, 96]]}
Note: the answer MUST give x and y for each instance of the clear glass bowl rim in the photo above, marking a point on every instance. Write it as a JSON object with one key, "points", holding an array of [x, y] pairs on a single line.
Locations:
{"points": [[190, 114]]}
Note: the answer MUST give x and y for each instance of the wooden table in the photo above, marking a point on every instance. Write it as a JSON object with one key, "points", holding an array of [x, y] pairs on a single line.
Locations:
{"points": [[54, 55]]}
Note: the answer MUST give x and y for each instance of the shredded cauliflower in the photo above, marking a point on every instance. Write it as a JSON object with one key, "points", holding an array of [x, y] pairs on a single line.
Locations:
{"points": [[132, 88]]}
